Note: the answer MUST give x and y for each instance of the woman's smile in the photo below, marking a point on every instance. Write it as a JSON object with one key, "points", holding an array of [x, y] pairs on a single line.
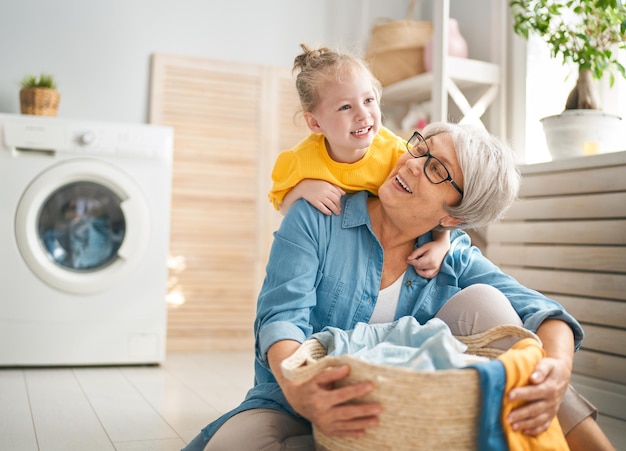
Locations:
{"points": [[403, 184]]}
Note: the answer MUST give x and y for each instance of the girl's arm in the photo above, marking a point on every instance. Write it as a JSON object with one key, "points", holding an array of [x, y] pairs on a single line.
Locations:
{"points": [[427, 258], [323, 195]]}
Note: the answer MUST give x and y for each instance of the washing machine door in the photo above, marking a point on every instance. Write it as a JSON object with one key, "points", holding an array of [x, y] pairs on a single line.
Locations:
{"points": [[82, 226]]}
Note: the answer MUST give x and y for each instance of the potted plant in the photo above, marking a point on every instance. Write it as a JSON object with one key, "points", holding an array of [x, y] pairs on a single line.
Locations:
{"points": [[589, 34], [39, 96]]}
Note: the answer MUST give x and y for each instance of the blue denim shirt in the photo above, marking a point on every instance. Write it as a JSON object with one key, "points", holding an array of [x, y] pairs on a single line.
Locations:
{"points": [[326, 271]]}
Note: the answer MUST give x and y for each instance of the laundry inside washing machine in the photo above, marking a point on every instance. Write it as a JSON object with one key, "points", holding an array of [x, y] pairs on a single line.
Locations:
{"points": [[82, 226]]}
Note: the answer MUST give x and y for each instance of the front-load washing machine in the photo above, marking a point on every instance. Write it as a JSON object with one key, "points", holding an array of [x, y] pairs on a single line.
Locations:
{"points": [[84, 237]]}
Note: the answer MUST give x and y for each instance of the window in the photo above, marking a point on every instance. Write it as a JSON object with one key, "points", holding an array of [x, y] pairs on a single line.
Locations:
{"points": [[548, 83]]}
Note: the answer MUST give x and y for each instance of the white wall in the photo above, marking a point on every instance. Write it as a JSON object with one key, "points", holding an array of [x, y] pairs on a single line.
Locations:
{"points": [[99, 51]]}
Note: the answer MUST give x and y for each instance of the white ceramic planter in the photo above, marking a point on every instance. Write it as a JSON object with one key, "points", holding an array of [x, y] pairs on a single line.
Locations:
{"points": [[575, 133]]}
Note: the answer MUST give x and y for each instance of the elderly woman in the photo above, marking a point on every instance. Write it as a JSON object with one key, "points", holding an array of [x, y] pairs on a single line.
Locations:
{"points": [[343, 269]]}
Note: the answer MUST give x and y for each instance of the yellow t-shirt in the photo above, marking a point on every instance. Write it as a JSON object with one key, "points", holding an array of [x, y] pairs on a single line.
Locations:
{"points": [[519, 363], [310, 160]]}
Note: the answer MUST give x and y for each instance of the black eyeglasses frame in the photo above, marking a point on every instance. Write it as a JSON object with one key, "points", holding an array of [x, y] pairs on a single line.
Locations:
{"points": [[417, 135]]}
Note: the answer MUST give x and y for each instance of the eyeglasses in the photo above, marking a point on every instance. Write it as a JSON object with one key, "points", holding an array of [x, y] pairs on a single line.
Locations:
{"points": [[434, 169]]}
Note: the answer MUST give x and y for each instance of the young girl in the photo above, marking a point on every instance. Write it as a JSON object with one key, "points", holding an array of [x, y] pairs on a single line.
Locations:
{"points": [[348, 150]]}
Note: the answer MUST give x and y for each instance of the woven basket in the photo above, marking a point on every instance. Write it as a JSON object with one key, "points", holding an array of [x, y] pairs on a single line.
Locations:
{"points": [[39, 101], [396, 48], [422, 410]]}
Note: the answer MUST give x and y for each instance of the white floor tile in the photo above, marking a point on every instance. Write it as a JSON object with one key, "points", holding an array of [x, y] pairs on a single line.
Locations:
{"points": [[17, 431], [172, 444], [177, 404], [221, 379], [63, 416], [124, 412]]}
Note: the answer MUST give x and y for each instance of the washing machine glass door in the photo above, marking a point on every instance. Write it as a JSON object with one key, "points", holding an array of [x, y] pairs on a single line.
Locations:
{"points": [[82, 226]]}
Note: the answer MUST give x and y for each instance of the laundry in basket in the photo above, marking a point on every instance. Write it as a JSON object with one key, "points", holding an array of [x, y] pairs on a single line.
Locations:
{"points": [[422, 410], [404, 343]]}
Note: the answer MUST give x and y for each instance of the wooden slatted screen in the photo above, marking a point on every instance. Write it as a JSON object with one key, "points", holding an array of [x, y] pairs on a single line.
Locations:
{"points": [[566, 237], [230, 121]]}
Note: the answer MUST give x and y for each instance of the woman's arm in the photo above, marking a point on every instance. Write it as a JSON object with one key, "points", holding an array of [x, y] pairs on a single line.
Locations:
{"points": [[548, 383], [470, 267], [320, 403], [559, 331]]}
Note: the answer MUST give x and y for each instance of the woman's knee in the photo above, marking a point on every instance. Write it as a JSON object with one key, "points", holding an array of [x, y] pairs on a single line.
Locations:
{"points": [[478, 308], [265, 429]]}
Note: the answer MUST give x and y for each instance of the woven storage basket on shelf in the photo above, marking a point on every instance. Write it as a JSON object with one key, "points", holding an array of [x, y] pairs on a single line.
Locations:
{"points": [[422, 410], [396, 48], [39, 101]]}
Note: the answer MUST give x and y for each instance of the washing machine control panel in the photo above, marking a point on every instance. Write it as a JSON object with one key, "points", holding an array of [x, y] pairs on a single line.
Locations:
{"points": [[87, 138], [131, 141], [53, 135]]}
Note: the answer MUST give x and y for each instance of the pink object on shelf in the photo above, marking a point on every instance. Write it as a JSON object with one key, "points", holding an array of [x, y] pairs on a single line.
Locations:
{"points": [[457, 45]]}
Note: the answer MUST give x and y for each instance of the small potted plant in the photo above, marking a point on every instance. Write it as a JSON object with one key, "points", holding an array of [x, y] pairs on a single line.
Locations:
{"points": [[39, 95], [589, 34]]}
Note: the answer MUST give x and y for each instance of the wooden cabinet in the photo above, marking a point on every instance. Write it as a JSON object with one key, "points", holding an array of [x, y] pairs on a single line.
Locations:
{"points": [[472, 85], [566, 237]]}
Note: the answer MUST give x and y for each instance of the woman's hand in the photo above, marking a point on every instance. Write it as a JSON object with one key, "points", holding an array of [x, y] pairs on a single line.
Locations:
{"points": [[319, 402], [326, 407], [543, 397], [548, 383]]}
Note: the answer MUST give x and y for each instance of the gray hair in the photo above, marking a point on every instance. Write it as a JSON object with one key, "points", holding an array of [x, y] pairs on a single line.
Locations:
{"points": [[491, 178]]}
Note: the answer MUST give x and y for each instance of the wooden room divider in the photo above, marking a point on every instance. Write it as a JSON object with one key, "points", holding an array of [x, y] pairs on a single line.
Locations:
{"points": [[230, 121]]}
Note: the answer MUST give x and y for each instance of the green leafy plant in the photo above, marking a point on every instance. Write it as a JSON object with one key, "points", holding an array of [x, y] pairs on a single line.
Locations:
{"points": [[587, 33], [43, 81]]}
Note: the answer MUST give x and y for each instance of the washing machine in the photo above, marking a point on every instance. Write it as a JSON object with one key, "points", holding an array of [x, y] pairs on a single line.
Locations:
{"points": [[84, 237]]}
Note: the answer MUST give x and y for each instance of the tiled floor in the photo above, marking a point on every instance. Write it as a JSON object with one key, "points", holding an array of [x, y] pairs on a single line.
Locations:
{"points": [[133, 408], [120, 408]]}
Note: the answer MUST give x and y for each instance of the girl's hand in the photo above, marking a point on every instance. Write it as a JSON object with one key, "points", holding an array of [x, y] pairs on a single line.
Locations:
{"points": [[323, 195], [427, 259]]}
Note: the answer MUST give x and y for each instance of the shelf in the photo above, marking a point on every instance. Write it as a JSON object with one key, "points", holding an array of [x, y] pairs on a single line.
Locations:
{"points": [[466, 73], [470, 86]]}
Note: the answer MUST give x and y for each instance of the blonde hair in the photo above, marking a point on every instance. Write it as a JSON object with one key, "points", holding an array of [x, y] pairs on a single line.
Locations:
{"points": [[315, 67]]}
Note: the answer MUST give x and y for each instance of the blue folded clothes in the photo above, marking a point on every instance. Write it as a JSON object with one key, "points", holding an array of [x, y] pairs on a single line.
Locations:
{"points": [[404, 343]]}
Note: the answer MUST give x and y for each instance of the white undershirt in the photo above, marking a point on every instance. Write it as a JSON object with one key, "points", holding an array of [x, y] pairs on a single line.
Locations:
{"points": [[385, 309]]}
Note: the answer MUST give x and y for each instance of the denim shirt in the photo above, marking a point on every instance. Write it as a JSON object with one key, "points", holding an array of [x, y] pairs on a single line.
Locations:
{"points": [[326, 271]]}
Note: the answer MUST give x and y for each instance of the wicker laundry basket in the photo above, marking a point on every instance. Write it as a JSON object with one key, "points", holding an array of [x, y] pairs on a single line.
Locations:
{"points": [[422, 410], [396, 48]]}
